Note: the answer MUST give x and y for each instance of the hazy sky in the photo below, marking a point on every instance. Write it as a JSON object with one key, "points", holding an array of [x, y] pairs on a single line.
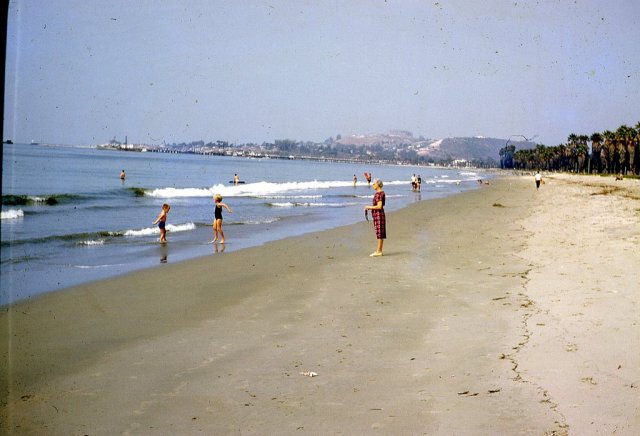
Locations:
{"points": [[83, 71]]}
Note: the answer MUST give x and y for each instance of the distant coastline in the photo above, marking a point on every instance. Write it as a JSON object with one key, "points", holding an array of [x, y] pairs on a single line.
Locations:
{"points": [[273, 151]]}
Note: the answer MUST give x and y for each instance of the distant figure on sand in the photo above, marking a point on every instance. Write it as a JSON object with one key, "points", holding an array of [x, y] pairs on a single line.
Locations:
{"points": [[236, 179], [122, 175], [538, 178], [217, 222], [162, 222], [379, 219], [355, 180]]}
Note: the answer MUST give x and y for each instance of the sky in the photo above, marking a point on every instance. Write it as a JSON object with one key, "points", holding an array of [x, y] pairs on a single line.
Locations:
{"points": [[81, 72]]}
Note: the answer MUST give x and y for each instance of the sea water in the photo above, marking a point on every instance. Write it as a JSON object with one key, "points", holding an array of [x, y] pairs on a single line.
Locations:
{"points": [[68, 218]]}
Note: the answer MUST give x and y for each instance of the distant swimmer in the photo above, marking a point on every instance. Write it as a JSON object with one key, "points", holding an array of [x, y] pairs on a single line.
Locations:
{"points": [[368, 177], [122, 175], [355, 180], [236, 180]]}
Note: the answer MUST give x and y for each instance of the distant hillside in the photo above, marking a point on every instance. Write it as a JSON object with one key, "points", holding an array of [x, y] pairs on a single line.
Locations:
{"points": [[397, 146], [474, 148], [464, 148]]}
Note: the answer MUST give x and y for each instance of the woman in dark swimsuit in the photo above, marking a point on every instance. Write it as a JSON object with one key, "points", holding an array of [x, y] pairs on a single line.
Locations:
{"points": [[217, 222]]}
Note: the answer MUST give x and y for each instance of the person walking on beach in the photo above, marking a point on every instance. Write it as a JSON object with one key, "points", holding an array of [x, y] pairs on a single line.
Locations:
{"points": [[217, 222], [538, 178], [379, 219], [162, 222]]}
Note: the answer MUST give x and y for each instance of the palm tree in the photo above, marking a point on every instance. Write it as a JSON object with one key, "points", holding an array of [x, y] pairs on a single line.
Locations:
{"points": [[572, 145], [624, 143], [636, 153], [609, 149], [538, 154], [596, 149], [582, 151], [548, 155]]}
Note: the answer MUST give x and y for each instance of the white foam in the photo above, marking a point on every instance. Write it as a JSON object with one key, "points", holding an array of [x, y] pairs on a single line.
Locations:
{"points": [[306, 204], [12, 214], [287, 197], [91, 243], [370, 196], [263, 221], [156, 231], [179, 192], [259, 189], [96, 266]]}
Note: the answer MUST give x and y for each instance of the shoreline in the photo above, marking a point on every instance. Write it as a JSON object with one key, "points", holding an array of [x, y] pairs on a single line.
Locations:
{"points": [[102, 255], [452, 331]]}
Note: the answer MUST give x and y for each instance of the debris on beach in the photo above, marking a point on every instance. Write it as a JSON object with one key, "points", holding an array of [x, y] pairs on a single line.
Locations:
{"points": [[309, 374]]}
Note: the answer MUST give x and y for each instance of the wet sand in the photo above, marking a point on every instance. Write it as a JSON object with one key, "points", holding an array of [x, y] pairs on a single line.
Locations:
{"points": [[504, 310]]}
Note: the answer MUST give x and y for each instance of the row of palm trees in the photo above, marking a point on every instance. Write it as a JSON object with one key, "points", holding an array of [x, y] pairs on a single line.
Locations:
{"points": [[601, 153]]}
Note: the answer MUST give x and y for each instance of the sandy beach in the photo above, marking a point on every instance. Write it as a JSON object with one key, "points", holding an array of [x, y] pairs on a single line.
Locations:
{"points": [[503, 310]]}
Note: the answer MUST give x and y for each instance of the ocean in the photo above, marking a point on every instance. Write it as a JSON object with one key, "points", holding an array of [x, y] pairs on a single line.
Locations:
{"points": [[68, 218]]}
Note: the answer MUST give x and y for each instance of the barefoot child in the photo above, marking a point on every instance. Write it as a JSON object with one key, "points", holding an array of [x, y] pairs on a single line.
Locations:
{"points": [[162, 222], [217, 222]]}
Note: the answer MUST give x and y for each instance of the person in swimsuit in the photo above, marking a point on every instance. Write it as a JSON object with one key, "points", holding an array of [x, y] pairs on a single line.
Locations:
{"points": [[379, 218], [162, 222], [217, 222]]}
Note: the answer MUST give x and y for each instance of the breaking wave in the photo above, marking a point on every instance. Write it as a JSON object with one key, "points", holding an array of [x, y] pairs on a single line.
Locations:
{"points": [[12, 214]]}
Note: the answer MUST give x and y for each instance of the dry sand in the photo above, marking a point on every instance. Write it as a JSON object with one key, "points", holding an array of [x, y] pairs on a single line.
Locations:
{"points": [[504, 310]]}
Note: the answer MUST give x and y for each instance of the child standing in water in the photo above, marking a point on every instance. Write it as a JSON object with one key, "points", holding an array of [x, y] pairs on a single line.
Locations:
{"points": [[162, 222], [217, 222]]}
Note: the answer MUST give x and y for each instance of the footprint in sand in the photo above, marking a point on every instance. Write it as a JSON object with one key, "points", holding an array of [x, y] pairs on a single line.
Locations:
{"points": [[571, 347]]}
